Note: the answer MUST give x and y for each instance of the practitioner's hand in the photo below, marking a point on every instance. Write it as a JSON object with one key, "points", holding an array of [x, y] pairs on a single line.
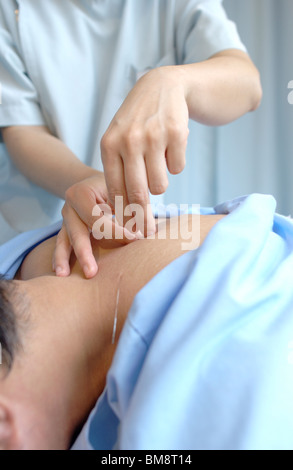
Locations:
{"points": [[78, 221], [147, 136]]}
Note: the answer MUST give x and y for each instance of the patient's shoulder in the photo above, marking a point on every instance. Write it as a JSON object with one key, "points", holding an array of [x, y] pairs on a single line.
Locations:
{"points": [[38, 262]]}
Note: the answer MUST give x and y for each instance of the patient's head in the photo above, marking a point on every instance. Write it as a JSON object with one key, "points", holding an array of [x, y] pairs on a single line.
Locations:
{"points": [[10, 343], [10, 321], [53, 346]]}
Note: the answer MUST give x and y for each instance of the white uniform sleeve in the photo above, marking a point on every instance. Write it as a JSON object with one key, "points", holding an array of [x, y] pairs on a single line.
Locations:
{"points": [[203, 30], [19, 98]]}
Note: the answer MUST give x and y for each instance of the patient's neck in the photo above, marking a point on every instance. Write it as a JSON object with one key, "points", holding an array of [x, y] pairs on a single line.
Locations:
{"points": [[72, 320], [68, 342]]}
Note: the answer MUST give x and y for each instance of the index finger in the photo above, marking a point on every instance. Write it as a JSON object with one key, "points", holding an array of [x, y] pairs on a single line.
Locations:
{"points": [[114, 176], [136, 182], [62, 254], [79, 236]]}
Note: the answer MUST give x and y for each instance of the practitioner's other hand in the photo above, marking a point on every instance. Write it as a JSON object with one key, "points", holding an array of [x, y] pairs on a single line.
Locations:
{"points": [[147, 136], [78, 221]]}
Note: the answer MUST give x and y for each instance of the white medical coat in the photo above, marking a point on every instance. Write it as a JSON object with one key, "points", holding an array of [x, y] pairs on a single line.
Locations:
{"points": [[70, 64]]}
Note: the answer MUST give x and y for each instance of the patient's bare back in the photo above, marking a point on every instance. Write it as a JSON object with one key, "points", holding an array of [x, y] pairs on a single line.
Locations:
{"points": [[145, 257]]}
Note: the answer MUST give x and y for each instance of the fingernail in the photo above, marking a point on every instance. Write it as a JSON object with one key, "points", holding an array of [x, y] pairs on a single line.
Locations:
{"points": [[129, 235], [59, 271], [139, 235], [87, 270], [90, 271]]}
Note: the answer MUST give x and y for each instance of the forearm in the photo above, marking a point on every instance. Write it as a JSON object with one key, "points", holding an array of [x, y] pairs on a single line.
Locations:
{"points": [[44, 159], [221, 89]]}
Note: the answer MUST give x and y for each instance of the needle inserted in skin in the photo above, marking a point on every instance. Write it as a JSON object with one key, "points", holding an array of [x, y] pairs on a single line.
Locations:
{"points": [[116, 312]]}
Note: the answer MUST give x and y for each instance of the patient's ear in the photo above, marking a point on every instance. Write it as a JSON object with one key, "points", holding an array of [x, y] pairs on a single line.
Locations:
{"points": [[5, 428]]}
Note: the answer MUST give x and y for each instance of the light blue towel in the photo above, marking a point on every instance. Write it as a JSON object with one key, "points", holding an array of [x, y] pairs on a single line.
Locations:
{"points": [[205, 360], [13, 252]]}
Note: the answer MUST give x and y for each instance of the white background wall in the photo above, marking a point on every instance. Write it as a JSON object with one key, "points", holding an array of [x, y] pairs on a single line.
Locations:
{"points": [[254, 154]]}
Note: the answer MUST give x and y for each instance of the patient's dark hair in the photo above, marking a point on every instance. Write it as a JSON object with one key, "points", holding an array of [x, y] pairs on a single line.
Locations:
{"points": [[9, 340]]}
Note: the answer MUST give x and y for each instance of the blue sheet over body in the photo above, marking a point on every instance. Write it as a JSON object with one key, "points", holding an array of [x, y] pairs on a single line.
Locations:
{"points": [[205, 358]]}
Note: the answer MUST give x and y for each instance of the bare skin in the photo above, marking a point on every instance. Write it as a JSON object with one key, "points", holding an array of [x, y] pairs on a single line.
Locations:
{"points": [[146, 138], [67, 347]]}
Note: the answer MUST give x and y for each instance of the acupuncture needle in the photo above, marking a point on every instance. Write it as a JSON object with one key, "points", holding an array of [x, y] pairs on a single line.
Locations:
{"points": [[116, 311]]}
